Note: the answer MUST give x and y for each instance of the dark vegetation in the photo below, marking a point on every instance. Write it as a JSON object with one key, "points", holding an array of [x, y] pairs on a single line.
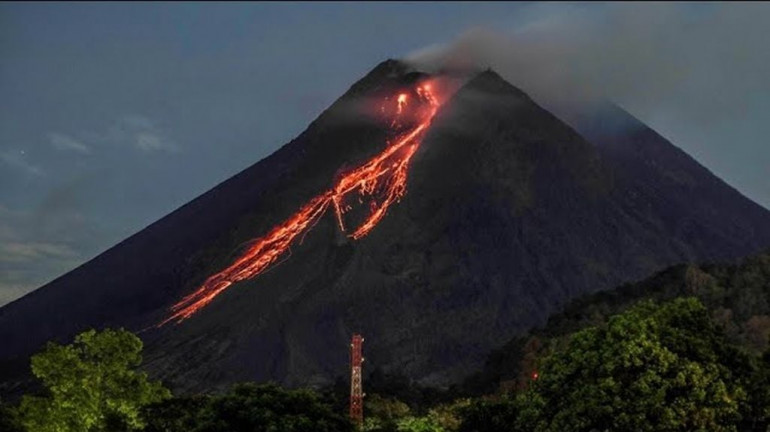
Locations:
{"points": [[737, 297], [686, 349], [247, 407]]}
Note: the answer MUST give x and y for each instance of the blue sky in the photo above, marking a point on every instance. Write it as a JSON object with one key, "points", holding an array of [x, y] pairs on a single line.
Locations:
{"points": [[114, 115]]}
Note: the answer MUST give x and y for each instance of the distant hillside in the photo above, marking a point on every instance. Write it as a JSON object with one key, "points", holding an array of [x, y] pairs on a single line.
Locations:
{"points": [[737, 294]]}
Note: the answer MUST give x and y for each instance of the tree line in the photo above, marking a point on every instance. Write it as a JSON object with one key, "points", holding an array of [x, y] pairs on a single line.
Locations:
{"points": [[686, 350]]}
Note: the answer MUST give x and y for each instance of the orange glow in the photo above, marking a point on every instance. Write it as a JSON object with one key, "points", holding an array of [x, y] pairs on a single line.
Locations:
{"points": [[401, 103], [381, 180]]}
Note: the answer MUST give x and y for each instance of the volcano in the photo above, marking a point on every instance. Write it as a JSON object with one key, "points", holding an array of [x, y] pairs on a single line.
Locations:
{"points": [[437, 221]]}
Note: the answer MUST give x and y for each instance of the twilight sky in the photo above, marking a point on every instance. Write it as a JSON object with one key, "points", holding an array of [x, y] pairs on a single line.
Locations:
{"points": [[113, 115]]}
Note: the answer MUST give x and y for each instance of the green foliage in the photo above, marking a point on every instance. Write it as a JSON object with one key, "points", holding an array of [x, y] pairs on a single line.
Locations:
{"points": [[736, 295], [382, 414], [391, 415], [9, 419], [490, 415], [447, 415], [419, 424], [91, 385], [512, 412], [251, 407], [759, 392], [652, 368], [404, 389], [178, 414]]}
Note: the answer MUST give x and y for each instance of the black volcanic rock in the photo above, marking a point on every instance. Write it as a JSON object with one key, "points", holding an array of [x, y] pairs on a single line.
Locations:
{"points": [[509, 214], [703, 215]]}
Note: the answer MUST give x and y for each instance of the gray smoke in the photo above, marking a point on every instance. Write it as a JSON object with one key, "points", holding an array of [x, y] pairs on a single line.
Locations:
{"points": [[638, 54]]}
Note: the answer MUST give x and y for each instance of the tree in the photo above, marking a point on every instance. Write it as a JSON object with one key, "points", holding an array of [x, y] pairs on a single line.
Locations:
{"points": [[662, 368], [267, 407], [419, 424], [758, 418], [510, 412], [448, 415], [9, 421], [382, 414], [178, 414], [90, 385]]}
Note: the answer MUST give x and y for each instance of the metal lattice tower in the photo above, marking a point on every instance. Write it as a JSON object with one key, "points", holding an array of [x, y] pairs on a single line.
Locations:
{"points": [[356, 386]]}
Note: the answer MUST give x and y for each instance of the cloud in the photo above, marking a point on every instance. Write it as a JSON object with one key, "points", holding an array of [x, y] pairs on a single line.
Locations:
{"points": [[56, 230], [150, 142], [137, 122], [17, 159], [34, 248], [136, 132], [141, 133], [64, 142], [17, 252]]}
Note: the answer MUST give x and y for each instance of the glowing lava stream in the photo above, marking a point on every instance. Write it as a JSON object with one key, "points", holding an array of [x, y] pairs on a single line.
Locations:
{"points": [[388, 170]]}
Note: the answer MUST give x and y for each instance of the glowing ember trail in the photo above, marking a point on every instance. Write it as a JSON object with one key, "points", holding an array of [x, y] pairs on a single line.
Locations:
{"points": [[383, 178]]}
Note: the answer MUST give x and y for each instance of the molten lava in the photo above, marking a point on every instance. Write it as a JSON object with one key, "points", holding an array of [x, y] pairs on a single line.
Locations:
{"points": [[401, 103], [382, 179]]}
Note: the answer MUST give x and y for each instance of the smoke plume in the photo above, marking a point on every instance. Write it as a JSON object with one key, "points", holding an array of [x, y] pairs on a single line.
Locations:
{"points": [[639, 55]]}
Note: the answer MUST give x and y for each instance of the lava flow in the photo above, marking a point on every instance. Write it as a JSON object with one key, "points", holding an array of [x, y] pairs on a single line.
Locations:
{"points": [[383, 178]]}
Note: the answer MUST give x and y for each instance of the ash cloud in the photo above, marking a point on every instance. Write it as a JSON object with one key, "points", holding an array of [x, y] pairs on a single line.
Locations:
{"points": [[641, 55]]}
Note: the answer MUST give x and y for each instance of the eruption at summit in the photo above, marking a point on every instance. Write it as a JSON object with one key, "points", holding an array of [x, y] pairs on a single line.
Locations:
{"points": [[380, 182]]}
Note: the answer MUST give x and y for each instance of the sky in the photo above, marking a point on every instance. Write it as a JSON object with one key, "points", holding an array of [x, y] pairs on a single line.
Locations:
{"points": [[115, 114]]}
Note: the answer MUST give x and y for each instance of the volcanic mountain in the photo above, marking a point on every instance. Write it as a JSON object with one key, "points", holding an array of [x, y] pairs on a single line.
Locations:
{"points": [[487, 213]]}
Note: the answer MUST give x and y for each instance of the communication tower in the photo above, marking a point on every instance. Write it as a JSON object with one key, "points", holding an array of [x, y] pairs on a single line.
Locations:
{"points": [[356, 385]]}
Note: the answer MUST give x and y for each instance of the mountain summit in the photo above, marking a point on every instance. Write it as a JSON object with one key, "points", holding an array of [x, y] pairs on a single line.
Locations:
{"points": [[507, 213]]}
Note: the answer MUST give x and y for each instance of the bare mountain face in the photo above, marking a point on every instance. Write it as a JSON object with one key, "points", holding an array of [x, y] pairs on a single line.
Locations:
{"points": [[509, 213]]}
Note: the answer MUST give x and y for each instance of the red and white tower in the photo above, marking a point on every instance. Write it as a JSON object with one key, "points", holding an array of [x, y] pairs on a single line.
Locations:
{"points": [[356, 386]]}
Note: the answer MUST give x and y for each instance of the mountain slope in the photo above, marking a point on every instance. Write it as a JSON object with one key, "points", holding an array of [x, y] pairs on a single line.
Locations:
{"points": [[697, 208], [509, 214], [133, 283]]}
